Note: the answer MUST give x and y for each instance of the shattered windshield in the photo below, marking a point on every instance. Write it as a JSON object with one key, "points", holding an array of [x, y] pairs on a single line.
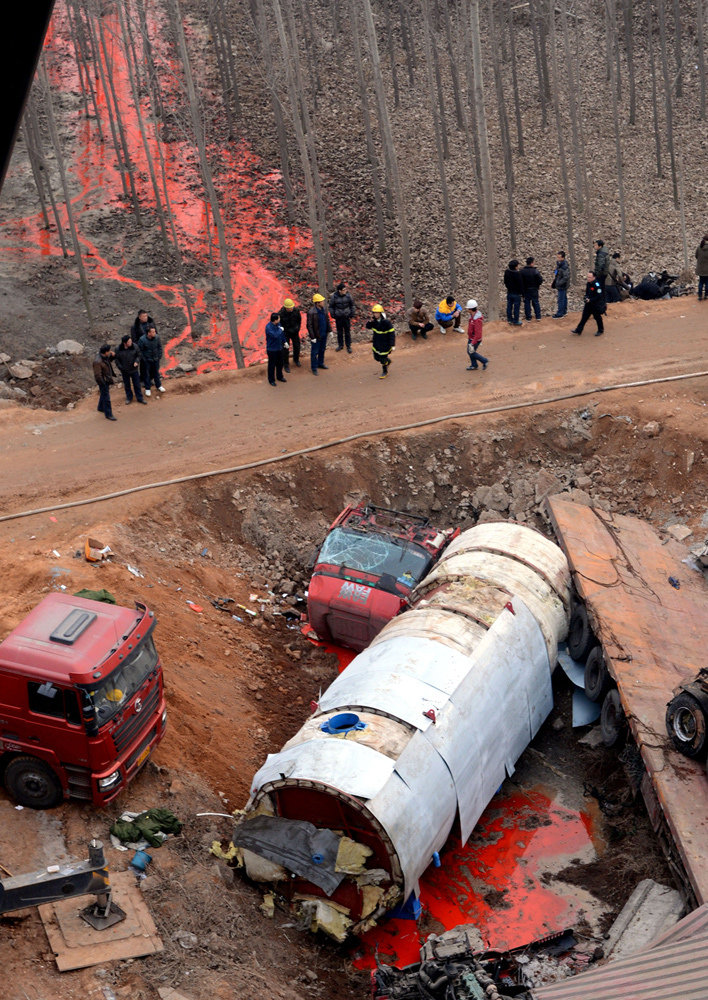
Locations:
{"points": [[115, 691], [375, 554]]}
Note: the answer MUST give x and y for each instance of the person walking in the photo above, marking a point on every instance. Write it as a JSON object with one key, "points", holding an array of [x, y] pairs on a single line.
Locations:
{"points": [[383, 339], [702, 268], [275, 342], [601, 267], [448, 314], [137, 330], [128, 362], [514, 284], [290, 319], [561, 280], [474, 337], [418, 321], [342, 310], [151, 350], [594, 306], [318, 327], [105, 377], [532, 281]]}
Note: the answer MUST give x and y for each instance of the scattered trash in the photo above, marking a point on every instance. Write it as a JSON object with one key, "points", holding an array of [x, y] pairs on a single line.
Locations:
{"points": [[52, 518], [220, 603], [104, 596], [205, 551], [197, 608], [674, 583], [151, 827], [19, 808], [134, 570], [140, 861], [186, 939], [236, 618], [95, 551], [56, 554], [267, 907], [56, 571], [249, 611]]}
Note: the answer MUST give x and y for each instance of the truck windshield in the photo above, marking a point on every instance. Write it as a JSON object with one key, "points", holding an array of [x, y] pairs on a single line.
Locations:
{"points": [[116, 690], [374, 554]]}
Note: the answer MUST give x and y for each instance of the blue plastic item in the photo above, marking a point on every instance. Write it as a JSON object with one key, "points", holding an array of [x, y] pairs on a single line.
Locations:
{"points": [[141, 859], [343, 722], [436, 859], [410, 910]]}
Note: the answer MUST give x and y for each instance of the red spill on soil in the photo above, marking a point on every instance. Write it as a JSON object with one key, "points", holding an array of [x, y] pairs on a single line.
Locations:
{"points": [[246, 190], [495, 881]]}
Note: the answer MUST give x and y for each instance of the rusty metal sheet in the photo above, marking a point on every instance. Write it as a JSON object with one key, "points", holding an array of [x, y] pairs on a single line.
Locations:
{"points": [[673, 967], [654, 637]]}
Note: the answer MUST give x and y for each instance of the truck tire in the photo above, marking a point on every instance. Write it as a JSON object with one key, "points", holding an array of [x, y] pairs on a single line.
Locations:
{"points": [[32, 783], [597, 676], [686, 725], [580, 635], [612, 721]]}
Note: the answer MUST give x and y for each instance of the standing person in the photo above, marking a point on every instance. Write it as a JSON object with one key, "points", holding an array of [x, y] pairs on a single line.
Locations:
{"points": [[128, 362], [342, 309], [318, 328], [448, 314], [561, 280], [615, 280], [601, 266], [383, 339], [275, 342], [290, 319], [532, 281], [514, 289], [594, 305], [105, 376], [474, 337], [151, 350], [702, 268], [418, 321], [137, 330]]}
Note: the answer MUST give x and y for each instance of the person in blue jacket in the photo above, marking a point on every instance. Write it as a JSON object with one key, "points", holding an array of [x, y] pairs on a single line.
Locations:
{"points": [[275, 342], [448, 314]]}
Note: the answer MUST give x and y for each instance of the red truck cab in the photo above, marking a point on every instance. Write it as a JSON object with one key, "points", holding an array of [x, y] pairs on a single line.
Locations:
{"points": [[368, 564], [81, 701]]}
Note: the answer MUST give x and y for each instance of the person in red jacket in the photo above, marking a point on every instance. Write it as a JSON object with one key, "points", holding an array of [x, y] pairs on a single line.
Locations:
{"points": [[474, 337]]}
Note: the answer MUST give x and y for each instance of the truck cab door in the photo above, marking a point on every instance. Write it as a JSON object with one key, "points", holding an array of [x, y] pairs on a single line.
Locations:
{"points": [[55, 723]]}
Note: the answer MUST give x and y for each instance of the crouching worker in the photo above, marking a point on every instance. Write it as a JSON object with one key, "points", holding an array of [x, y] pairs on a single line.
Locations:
{"points": [[383, 338], [474, 337], [448, 315]]}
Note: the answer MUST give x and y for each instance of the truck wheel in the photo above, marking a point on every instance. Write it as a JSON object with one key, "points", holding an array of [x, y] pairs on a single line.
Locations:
{"points": [[32, 783], [612, 721], [686, 725], [597, 677], [580, 636]]}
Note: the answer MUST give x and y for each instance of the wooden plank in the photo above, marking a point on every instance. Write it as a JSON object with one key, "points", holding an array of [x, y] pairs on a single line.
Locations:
{"points": [[654, 636], [77, 945]]}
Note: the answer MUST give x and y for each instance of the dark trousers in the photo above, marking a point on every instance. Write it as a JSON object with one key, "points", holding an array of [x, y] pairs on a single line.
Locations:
{"points": [[344, 331], [593, 309], [152, 374], [562, 307], [104, 401], [275, 365], [422, 330], [612, 293], [131, 382], [531, 299], [474, 356], [513, 307], [383, 358], [295, 344], [317, 352], [702, 286]]}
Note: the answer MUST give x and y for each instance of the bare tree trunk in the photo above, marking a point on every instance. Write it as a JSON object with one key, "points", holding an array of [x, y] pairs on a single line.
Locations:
{"points": [[391, 53], [452, 268], [669, 102], [390, 150], [32, 130], [614, 101], [452, 52], [539, 70], [515, 84], [682, 206], [503, 123], [98, 63], [582, 187], [372, 154], [486, 167], [36, 170], [627, 12], [84, 55], [700, 21], [441, 103], [198, 127], [407, 40], [555, 90], [51, 122], [158, 109], [654, 99], [678, 46]]}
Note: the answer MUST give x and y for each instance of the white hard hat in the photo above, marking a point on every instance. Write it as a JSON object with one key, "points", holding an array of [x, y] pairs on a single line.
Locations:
{"points": [[472, 304]]}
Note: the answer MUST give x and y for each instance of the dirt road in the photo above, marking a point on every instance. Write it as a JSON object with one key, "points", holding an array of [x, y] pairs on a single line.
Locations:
{"points": [[226, 419]]}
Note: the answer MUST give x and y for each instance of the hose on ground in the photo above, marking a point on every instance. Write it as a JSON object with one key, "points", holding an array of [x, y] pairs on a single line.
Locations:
{"points": [[578, 394]]}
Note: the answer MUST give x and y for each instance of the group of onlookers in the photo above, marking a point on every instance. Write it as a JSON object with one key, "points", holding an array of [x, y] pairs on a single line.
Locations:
{"points": [[137, 358]]}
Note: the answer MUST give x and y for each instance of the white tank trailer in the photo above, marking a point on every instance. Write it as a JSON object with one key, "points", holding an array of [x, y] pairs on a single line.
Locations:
{"points": [[420, 730]]}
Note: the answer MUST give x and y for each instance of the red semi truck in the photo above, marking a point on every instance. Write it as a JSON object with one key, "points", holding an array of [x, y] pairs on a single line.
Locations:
{"points": [[81, 701], [368, 564]]}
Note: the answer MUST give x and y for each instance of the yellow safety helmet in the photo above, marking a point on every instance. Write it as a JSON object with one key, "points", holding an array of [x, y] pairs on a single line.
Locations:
{"points": [[377, 309], [317, 297], [289, 304]]}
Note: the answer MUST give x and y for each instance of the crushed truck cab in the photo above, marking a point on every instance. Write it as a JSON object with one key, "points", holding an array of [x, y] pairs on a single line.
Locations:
{"points": [[81, 701], [364, 573]]}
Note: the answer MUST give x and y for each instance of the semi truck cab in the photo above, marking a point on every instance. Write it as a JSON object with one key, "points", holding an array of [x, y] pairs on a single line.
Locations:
{"points": [[81, 701]]}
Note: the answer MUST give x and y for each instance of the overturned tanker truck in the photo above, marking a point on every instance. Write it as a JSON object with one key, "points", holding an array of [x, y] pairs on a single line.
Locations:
{"points": [[419, 730]]}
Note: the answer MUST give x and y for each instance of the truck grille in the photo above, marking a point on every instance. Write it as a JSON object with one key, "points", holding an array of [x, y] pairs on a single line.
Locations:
{"points": [[143, 743], [129, 728]]}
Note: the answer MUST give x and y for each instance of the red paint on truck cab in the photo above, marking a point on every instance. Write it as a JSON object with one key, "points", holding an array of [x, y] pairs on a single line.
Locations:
{"points": [[364, 573], [81, 701]]}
